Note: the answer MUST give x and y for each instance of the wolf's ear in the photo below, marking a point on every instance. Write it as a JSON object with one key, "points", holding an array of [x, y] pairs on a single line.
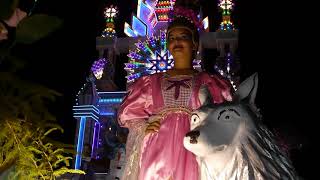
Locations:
{"points": [[247, 90], [204, 96]]}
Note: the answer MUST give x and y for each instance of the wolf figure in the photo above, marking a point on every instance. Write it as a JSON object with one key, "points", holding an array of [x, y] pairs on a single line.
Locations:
{"points": [[231, 143]]}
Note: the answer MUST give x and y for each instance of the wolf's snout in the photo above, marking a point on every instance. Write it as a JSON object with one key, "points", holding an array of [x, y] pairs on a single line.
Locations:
{"points": [[193, 136]]}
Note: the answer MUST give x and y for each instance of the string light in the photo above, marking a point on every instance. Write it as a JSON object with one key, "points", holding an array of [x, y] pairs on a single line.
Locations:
{"points": [[226, 6], [162, 9], [228, 67], [110, 13]]}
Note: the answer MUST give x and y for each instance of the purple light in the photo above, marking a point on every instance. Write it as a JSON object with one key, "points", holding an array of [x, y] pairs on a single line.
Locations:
{"points": [[131, 66], [134, 55], [131, 54], [163, 36], [95, 138], [98, 66], [152, 41], [140, 45]]}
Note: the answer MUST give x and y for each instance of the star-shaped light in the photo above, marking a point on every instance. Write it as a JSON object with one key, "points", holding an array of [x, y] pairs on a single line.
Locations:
{"points": [[161, 63]]}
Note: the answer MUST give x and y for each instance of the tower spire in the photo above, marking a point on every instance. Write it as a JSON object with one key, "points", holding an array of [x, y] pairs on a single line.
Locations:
{"points": [[110, 13]]}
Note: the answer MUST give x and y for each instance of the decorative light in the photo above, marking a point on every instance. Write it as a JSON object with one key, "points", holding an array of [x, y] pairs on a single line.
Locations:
{"points": [[143, 22], [98, 67], [161, 63], [162, 9], [110, 13], [152, 19], [129, 31], [226, 25], [228, 68], [110, 100], [226, 6], [80, 142], [107, 113], [95, 137], [205, 23], [151, 56]]}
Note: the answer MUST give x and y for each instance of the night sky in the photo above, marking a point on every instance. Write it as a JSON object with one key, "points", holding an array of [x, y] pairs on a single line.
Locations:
{"points": [[62, 61]]}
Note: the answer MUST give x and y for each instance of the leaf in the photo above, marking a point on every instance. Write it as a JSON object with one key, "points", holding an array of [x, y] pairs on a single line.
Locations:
{"points": [[64, 170], [7, 8], [35, 150], [48, 146], [59, 144], [35, 27], [49, 131], [13, 63], [65, 160], [57, 151]]}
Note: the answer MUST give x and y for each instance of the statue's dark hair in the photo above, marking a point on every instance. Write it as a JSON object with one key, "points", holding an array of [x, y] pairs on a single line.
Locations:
{"points": [[184, 22]]}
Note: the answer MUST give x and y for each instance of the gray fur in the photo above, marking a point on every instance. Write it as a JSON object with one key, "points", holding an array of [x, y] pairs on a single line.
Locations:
{"points": [[234, 144]]}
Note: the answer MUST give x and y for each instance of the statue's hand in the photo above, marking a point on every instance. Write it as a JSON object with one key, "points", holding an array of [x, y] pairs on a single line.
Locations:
{"points": [[153, 125]]}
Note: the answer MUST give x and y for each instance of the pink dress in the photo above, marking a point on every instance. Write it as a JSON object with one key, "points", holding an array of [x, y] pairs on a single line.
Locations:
{"points": [[161, 155]]}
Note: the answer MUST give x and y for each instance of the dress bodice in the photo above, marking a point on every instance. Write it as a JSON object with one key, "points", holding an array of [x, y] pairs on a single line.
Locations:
{"points": [[177, 90]]}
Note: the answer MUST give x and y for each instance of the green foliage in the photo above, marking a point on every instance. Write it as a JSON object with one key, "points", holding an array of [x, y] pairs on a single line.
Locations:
{"points": [[21, 99], [7, 8], [29, 29], [34, 157], [25, 121], [36, 27]]}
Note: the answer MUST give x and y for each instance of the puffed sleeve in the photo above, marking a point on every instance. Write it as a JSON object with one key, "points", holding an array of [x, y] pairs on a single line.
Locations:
{"points": [[219, 88], [137, 104]]}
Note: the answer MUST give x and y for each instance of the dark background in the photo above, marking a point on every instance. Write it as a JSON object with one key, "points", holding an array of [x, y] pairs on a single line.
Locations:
{"points": [[270, 43]]}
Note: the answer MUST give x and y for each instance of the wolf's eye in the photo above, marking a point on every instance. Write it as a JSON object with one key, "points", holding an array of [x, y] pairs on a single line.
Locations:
{"points": [[195, 118], [228, 114]]}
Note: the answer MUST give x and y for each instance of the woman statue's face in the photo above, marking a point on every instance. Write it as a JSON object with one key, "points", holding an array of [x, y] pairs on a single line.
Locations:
{"points": [[181, 46]]}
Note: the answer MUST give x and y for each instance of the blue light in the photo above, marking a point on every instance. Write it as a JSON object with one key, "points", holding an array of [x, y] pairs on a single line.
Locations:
{"points": [[161, 63], [86, 114], [138, 26], [80, 142], [143, 13], [107, 114], [205, 23], [128, 31], [83, 106], [111, 100], [86, 110], [152, 41], [163, 40], [110, 92]]}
